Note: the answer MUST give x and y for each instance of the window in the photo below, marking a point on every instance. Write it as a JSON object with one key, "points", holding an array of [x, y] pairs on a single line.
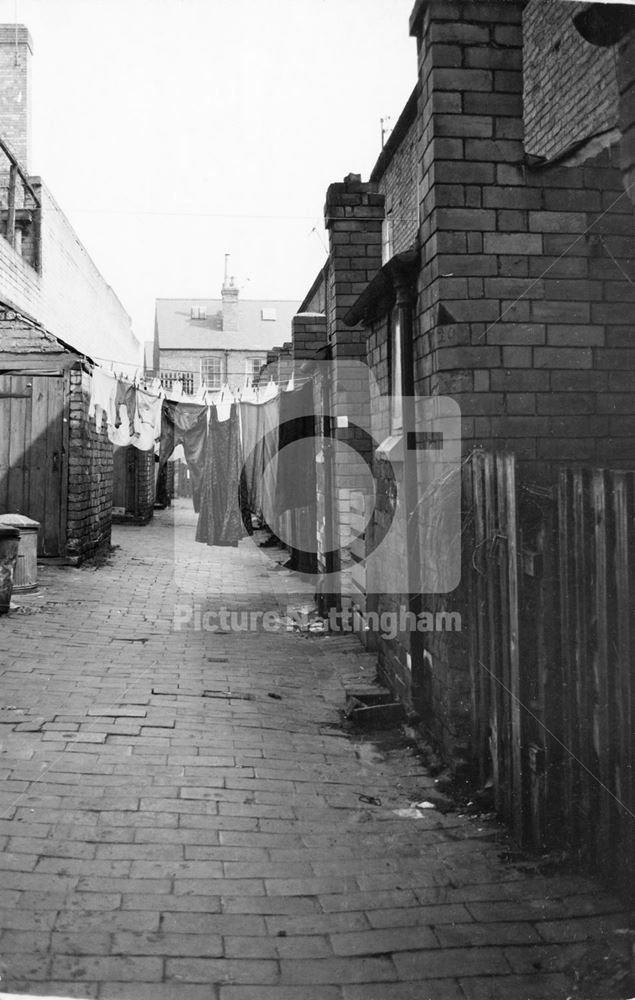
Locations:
{"points": [[386, 240], [253, 367], [168, 378], [198, 312], [268, 315], [396, 383], [211, 372]]}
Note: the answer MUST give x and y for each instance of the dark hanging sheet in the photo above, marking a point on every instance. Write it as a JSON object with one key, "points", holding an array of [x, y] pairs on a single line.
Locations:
{"points": [[296, 484], [220, 520], [186, 424]]}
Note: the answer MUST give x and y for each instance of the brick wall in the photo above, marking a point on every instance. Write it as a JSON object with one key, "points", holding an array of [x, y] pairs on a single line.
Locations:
{"points": [[524, 297], [68, 295], [524, 302], [19, 337], [570, 86], [309, 334], [16, 48], [20, 283], [354, 214], [90, 470], [396, 175], [145, 485], [626, 80]]}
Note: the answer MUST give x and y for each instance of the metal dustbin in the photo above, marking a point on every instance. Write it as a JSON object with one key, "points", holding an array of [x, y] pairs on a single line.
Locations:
{"points": [[25, 575], [9, 542]]}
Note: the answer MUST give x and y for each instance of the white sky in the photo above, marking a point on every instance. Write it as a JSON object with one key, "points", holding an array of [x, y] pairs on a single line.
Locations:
{"points": [[173, 131]]}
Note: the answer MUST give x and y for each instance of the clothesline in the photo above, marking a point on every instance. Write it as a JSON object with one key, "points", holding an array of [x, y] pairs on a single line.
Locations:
{"points": [[230, 446]]}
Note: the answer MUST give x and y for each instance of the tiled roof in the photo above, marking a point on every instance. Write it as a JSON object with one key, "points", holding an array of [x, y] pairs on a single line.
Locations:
{"points": [[178, 331]]}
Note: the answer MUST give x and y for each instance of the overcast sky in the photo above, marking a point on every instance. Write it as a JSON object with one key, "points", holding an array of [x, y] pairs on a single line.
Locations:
{"points": [[173, 131]]}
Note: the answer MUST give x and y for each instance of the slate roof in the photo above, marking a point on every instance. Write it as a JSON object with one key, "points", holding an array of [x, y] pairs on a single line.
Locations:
{"points": [[177, 330]]}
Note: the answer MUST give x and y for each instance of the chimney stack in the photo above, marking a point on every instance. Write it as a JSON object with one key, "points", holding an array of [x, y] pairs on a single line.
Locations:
{"points": [[16, 48], [229, 296]]}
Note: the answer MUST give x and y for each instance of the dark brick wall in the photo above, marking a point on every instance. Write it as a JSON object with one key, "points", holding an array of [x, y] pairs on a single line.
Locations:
{"points": [[90, 470], [626, 79], [309, 335], [398, 184], [19, 336], [525, 300], [145, 485], [354, 215], [524, 295], [570, 86]]}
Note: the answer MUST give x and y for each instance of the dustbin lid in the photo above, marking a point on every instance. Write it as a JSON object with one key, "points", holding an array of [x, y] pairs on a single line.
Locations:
{"points": [[7, 532], [19, 521]]}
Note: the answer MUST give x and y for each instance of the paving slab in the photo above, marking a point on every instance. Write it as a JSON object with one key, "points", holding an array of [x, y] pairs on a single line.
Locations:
{"points": [[184, 815]]}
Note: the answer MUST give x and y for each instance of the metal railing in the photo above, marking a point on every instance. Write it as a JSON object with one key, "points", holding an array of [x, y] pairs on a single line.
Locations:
{"points": [[20, 211]]}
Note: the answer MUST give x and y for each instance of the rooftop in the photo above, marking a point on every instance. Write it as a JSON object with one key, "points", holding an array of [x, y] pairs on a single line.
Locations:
{"points": [[262, 323]]}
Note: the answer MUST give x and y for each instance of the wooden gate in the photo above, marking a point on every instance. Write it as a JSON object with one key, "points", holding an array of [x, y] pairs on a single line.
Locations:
{"points": [[33, 454]]}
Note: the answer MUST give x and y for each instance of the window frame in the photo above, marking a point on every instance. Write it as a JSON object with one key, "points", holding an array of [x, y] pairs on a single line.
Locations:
{"points": [[205, 366]]}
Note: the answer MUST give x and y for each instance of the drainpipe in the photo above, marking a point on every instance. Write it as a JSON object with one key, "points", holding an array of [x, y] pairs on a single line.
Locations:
{"points": [[404, 303]]}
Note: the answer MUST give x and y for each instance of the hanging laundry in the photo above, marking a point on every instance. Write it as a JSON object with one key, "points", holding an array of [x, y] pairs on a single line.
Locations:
{"points": [[224, 403], [221, 520], [147, 420], [102, 397], [125, 397], [122, 432], [251, 423], [267, 392], [266, 484], [295, 480], [296, 477], [186, 424], [161, 493], [249, 394]]}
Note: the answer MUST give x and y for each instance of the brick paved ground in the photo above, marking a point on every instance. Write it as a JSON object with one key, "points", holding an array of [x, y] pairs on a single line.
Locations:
{"points": [[182, 815]]}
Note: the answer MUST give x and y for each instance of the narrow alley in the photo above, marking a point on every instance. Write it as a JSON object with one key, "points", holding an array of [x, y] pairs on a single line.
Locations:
{"points": [[184, 815]]}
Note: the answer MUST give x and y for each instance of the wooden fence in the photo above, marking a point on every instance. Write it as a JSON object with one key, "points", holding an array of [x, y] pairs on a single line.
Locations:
{"points": [[596, 528], [551, 584]]}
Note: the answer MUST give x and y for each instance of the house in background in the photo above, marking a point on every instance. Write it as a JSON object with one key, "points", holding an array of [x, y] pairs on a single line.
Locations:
{"points": [[57, 313], [215, 342]]}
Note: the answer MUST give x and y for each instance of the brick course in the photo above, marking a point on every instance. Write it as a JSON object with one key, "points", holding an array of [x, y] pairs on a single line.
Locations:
{"points": [[570, 87], [16, 48], [89, 477]]}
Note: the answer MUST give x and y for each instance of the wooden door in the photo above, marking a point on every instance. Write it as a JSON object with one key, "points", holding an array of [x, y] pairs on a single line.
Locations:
{"points": [[33, 456]]}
